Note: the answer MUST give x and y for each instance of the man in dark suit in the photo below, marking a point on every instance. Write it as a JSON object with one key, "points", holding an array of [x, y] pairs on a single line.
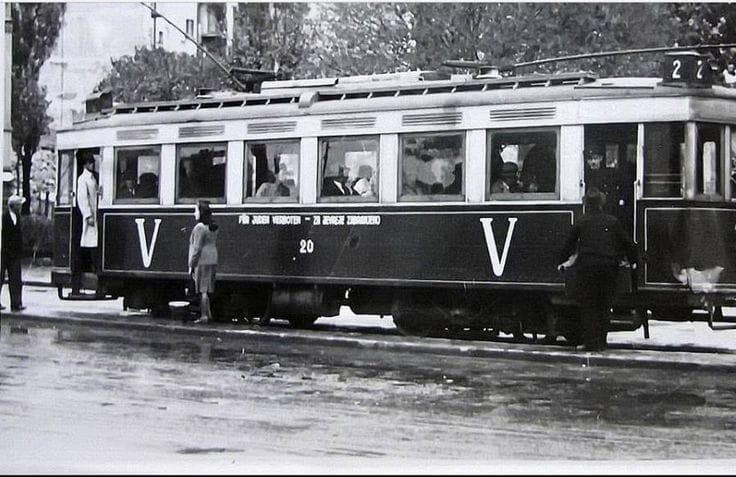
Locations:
{"points": [[338, 185], [12, 248]]}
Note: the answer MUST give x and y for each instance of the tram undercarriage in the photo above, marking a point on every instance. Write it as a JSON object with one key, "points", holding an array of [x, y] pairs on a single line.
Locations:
{"points": [[524, 315]]}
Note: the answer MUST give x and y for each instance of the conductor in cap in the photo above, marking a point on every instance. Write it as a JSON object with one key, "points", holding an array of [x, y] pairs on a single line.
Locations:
{"points": [[12, 250]]}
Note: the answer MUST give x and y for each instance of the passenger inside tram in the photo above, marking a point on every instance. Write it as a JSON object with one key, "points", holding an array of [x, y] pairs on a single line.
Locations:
{"points": [[127, 188], [508, 183], [147, 186]]}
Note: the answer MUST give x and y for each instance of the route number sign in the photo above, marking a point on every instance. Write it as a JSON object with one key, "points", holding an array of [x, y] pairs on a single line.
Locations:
{"points": [[688, 69]]}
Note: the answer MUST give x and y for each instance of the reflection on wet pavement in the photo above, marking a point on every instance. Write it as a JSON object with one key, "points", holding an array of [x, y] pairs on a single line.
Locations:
{"points": [[91, 392]]}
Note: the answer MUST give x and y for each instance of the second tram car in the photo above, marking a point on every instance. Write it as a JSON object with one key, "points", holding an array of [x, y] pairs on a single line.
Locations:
{"points": [[442, 200]]}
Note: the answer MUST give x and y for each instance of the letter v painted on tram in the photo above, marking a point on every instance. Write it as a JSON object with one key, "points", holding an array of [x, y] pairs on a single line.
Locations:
{"points": [[497, 263], [146, 251]]}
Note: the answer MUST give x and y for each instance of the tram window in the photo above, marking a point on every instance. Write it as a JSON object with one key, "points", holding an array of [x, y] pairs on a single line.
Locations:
{"points": [[201, 172], [708, 162], [664, 149], [733, 162], [349, 167], [610, 166], [523, 164], [137, 171], [432, 167], [66, 178], [272, 171]]}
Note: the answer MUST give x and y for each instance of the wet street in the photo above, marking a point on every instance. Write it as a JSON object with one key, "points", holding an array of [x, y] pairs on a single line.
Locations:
{"points": [[80, 399]]}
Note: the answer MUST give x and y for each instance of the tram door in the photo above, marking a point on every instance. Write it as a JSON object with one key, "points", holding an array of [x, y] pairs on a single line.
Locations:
{"points": [[77, 261], [610, 165]]}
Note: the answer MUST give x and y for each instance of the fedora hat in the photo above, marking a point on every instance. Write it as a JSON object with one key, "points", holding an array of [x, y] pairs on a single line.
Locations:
{"points": [[16, 199]]}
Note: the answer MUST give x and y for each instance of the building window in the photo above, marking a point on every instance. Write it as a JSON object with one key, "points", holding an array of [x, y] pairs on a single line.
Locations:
{"points": [[664, 149], [523, 164], [432, 166], [137, 171], [349, 168], [201, 172], [190, 27], [272, 171]]}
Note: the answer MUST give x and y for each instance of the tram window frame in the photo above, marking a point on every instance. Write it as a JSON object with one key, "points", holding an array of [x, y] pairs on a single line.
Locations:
{"points": [[201, 146], [732, 162], [323, 145], [715, 167], [251, 173], [117, 180], [494, 136], [653, 177], [418, 193], [65, 178]]}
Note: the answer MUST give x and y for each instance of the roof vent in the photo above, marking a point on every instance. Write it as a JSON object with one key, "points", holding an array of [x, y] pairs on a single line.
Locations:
{"points": [[204, 93], [98, 102]]}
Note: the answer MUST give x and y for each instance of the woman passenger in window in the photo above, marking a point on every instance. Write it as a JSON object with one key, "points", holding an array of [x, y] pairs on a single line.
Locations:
{"points": [[365, 182], [203, 257], [272, 187]]}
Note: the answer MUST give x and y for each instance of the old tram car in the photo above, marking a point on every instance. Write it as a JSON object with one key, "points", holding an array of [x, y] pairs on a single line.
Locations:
{"points": [[381, 193]]}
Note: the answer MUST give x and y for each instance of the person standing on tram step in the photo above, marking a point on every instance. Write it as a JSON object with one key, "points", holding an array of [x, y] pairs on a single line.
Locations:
{"points": [[203, 258], [601, 243], [12, 250], [87, 191]]}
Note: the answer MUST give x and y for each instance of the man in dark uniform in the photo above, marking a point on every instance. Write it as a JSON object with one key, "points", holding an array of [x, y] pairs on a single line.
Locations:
{"points": [[12, 248], [600, 243]]}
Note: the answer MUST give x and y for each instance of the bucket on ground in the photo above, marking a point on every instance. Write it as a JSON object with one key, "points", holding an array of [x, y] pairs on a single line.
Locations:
{"points": [[179, 310]]}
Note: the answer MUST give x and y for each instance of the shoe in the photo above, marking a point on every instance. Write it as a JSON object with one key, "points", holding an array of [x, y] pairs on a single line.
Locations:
{"points": [[203, 321], [17, 308]]}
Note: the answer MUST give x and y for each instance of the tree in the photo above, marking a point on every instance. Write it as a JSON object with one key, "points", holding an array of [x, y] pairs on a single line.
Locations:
{"points": [[266, 36], [271, 36], [510, 33], [362, 38], [159, 75], [713, 23], [35, 30], [368, 38]]}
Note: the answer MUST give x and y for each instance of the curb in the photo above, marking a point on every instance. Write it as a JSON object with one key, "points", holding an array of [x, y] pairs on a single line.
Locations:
{"points": [[616, 357]]}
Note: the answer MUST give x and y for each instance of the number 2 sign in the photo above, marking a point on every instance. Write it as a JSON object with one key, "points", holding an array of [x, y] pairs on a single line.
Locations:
{"points": [[687, 68]]}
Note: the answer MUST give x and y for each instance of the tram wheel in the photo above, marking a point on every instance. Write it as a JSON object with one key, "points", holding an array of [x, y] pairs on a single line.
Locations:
{"points": [[417, 320], [302, 322]]}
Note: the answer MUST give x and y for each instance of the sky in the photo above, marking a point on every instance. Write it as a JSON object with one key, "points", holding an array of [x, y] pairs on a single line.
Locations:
{"points": [[92, 34]]}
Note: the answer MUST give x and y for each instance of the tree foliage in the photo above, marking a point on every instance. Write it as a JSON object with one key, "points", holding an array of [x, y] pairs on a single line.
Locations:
{"points": [[35, 30], [159, 75], [305, 40], [424, 35], [362, 38], [271, 36]]}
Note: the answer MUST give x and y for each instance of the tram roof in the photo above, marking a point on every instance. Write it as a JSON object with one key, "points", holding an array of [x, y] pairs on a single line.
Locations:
{"points": [[306, 93]]}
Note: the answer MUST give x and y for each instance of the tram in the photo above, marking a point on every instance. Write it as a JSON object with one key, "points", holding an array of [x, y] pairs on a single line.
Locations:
{"points": [[440, 199]]}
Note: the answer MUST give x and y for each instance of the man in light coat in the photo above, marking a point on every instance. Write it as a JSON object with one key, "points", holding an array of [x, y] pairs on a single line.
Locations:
{"points": [[87, 190]]}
